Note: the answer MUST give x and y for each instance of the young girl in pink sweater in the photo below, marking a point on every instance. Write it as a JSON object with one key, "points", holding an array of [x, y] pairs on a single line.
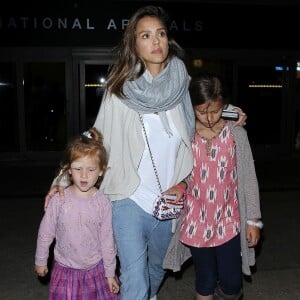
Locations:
{"points": [[81, 224]]}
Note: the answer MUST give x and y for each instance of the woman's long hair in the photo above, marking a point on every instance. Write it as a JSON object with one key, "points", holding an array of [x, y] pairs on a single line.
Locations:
{"points": [[127, 58]]}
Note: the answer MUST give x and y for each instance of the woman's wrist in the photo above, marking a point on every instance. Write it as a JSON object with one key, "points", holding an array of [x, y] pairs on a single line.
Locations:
{"points": [[259, 224]]}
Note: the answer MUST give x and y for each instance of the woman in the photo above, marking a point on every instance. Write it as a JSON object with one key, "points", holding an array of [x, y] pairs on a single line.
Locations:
{"points": [[150, 78]]}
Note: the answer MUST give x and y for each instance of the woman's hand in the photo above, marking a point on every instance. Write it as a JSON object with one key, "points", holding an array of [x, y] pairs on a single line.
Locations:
{"points": [[242, 117], [54, 189]]}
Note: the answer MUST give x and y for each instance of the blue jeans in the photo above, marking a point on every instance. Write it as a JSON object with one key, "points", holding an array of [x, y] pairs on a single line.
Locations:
{"points": [[142, 242], [218, 266]]}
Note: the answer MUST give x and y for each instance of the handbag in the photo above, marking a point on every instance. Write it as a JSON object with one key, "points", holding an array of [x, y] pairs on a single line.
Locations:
{"points": [[162, 210]]}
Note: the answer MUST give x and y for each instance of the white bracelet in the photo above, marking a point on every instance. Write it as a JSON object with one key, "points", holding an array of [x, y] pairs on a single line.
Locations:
{"points": [[258, 224]]}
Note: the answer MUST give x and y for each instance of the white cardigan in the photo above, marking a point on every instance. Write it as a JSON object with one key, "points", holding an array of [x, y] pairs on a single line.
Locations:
{"points": [[122, 133]]}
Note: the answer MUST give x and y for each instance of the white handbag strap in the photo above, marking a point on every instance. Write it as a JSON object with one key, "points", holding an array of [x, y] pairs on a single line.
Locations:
{"points": [[150, 152]]}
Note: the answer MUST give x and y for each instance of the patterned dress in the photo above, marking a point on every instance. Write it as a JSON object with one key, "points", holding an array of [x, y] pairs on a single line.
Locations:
{"points": [[212, 217]]}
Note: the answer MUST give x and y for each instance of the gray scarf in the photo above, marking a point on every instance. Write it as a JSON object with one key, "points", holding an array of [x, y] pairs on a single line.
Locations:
{"points": [[167, 90]]}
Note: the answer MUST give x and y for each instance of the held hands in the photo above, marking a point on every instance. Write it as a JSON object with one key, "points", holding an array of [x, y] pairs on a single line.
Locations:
{"points": [[242, 117], [53, 190], [41, 270], [113, 285], [179, 190]]}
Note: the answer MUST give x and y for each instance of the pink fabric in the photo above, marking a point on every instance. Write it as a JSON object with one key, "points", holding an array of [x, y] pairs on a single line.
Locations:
{"points": [[212, 216], [83, 232], [72, 284]]}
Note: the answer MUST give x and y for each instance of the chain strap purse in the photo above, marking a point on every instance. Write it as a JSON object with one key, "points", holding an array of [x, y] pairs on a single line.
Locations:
{"points": [[162, 210]]}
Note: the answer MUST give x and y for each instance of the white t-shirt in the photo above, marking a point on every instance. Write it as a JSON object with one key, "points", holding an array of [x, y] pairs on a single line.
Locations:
{"points": [[164, 149]]}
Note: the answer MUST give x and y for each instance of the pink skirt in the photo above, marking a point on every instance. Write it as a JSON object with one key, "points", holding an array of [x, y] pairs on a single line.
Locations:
{"points": [[73, 284]]}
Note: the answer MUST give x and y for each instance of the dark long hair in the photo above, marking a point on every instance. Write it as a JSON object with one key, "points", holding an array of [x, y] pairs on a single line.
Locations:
{"points": [[127, 58], [206, 87]]}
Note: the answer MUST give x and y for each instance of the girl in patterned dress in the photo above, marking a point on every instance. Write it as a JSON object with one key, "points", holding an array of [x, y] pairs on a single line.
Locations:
{"points": [[81, 224], [222, 212]]}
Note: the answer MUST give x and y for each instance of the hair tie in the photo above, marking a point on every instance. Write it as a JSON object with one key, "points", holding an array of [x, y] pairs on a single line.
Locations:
{"points": [[87, 134]]}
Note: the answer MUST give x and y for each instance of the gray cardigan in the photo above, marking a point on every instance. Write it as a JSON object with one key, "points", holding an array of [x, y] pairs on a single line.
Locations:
{"points": [[249, 206]]}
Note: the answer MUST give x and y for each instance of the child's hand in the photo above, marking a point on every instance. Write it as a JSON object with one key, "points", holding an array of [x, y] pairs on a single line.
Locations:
{"points": [[252, 235], [113, 285], [242, 117], [41, 270]]}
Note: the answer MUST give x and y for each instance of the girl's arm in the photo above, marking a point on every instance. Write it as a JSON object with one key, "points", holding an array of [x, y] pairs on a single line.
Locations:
{"points": [[46, 235]]}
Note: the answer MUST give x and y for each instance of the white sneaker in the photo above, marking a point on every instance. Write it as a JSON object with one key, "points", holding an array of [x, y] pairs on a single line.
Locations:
{"points": [[153, 298]]}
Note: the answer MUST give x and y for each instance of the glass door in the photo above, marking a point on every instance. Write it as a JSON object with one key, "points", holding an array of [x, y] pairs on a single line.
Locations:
{"points": [[9, 120], [34, 104], [90, 78], [296, 130], [45, 105], [262, 93], [91, 91]]}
